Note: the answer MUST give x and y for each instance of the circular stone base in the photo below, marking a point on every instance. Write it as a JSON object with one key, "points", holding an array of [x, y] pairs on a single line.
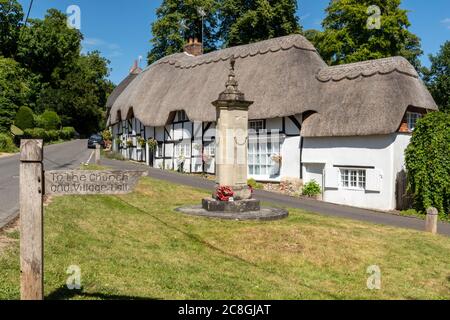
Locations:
{"points": [[265, 214]]}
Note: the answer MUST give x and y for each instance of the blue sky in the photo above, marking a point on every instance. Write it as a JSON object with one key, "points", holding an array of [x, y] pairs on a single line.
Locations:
{"points": [[121, 29]]}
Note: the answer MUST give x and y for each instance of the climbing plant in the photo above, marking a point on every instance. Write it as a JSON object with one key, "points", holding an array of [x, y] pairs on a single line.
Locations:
{"points": [[428, 163]]}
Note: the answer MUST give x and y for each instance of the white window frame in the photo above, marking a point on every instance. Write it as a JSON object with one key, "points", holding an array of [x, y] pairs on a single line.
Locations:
{"points": [[182, 149], [353, 178], [210, 149], [260, 163], [411, 119], [159, 150], [256, 125]]}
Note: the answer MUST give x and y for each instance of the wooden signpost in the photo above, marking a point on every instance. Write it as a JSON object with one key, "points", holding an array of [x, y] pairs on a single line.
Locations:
{"points": [[33, 185], [31, 220]]}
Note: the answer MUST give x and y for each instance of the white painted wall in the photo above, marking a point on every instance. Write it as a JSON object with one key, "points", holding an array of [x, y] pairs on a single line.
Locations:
{"points": [[290, 151], [384, 153]]}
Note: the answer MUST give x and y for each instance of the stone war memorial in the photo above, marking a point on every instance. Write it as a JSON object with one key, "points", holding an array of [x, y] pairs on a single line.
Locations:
{"points": [[233, 198]]}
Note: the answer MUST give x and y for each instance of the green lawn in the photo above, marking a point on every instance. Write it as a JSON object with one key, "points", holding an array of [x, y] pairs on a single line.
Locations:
{"points": [[136, 246]]}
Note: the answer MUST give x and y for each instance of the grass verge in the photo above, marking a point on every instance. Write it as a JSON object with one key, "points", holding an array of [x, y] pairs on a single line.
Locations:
{"points": [[136, 247]]}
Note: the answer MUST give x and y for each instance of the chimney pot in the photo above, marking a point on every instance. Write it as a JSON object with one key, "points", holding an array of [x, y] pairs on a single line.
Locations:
{"points": [[194, 47]]}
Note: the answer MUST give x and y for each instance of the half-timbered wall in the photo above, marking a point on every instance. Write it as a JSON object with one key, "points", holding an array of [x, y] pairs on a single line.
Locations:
{"points": [[190, 147]]}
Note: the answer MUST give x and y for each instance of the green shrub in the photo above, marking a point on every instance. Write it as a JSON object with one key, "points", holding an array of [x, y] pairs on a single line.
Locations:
{"points": [[36, 133], [253, 184], [67, 133], [52, 135], [49, 120], [6, 143], [24, 118], [428, 163], [312, 189]]}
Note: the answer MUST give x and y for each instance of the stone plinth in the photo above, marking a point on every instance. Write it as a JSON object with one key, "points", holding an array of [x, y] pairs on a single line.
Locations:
{"points": [[265, 214], [214, 205]]}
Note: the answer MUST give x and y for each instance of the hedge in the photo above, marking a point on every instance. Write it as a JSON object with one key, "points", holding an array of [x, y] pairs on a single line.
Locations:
{"points": [[6, 143], [66, 133]]}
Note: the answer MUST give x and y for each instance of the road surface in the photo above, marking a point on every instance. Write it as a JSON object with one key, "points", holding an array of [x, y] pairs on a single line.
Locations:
{"points": [[71, 154]]}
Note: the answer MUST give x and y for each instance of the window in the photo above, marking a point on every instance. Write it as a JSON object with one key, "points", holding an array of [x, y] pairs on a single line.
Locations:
{"points": [[210, 149], [412, 118], [159, 150], [182, 150], [182, 116], [353, 179], [260, 157], [256, 125]]}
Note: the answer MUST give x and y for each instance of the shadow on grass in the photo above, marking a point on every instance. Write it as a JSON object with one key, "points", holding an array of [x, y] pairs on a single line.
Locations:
{"points": [[63, 293], [198, 239]]}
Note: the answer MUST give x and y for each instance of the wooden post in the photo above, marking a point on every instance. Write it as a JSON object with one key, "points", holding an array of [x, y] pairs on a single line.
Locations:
{"points": [[147, 154], [97, 154], [31, 220], [431, 220]]}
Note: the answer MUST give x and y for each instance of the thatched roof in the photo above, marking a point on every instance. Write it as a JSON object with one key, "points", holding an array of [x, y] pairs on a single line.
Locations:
{"points": [[121, 87], [283, 76]]}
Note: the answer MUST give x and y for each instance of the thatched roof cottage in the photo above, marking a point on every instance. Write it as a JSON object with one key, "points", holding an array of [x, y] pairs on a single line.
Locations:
{"points": [[344, 126]]}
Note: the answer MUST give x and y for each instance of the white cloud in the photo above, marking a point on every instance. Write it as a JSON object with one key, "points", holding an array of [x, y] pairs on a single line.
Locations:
{"points": [[112, 49], [446, 22]]}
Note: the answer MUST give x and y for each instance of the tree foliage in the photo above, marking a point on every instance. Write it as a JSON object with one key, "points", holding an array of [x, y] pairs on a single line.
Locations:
{"points": [[48, 47], [15, 90], [227, 22], [346, 37], [437, 77], [11, 16], [24, 118], [50, 73], [243, 22], [79, 98], [49, 120], [178, 20], [428, 163]]}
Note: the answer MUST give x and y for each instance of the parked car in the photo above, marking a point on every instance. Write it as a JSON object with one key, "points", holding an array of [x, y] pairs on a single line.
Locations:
{"points": [[94, 140]]}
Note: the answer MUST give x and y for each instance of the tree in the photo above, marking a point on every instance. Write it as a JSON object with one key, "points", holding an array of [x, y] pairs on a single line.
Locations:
{"points": [[11, 16], [178, 21], [24, 118], [81, 96], [438, 77], [49, 120], [347, 38], [428, 163], [49, 47], [15, 91], [243, 22], [312, 35]]}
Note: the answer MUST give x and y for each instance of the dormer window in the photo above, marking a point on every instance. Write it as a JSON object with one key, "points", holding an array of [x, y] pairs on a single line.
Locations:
{"points": [[182, 116], [411, 118]]}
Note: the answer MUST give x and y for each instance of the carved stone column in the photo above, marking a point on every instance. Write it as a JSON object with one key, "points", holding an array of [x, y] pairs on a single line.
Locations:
{"points": [[232, 148], [232, 138]]}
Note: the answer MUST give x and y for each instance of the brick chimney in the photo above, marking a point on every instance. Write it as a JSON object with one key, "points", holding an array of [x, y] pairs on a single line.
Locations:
{"points": [[135, 69], [194, 47]]}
